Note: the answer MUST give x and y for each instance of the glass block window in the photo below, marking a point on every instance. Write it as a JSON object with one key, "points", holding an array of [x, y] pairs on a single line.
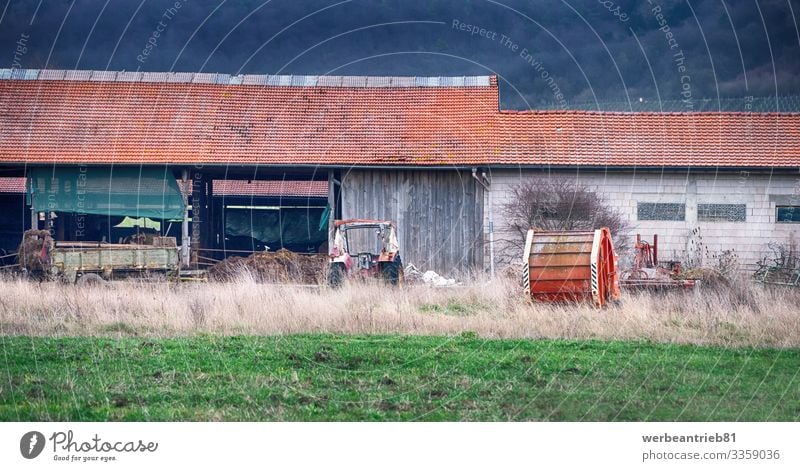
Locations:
{"points": [[788, 214], [661, 211], [722, 212]]}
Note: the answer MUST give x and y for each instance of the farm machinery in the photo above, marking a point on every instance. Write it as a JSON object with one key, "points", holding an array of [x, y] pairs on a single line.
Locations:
{"points": [[364, 249], [95, 262], [647, 273], [582, 266]]}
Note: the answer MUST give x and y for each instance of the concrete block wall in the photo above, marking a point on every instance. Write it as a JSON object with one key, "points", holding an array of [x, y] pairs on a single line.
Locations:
{"points": [[760, 192]]}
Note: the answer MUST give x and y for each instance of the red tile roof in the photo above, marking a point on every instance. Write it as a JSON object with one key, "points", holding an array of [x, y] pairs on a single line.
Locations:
{"points": [[353, 123], [286, 188], [12, 184], [650, 139]]}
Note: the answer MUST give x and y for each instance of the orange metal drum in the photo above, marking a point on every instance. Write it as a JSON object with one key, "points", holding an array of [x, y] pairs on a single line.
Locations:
{"points": [[571, 266]]}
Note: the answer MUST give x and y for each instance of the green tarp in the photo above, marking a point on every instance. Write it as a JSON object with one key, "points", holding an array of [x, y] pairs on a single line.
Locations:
{"points": [[119, 191], [277, 228], [323, 220]]}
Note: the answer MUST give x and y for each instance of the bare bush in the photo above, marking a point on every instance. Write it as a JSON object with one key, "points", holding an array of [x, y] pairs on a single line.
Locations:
{"points": [[781, 264], [560, 204]]}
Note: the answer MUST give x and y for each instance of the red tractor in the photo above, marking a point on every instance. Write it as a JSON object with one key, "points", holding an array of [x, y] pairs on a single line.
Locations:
{"points": [[365, 249]]}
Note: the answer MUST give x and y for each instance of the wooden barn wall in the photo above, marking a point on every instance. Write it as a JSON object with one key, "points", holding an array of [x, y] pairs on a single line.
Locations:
{"points": [[439, 214]]}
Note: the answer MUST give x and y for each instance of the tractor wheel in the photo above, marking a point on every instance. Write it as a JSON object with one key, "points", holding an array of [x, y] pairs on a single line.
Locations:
{"points": [[90, 279], [335, 275], [393, 272]]}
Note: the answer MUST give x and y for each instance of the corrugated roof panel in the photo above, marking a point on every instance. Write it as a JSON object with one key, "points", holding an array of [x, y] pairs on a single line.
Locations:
{"points": [[204, 78], [253, 79], [479, 81], [303, 80], [222, 79], [379, 81], [329, 81], [248, 79], [403, 81], [180, 77], [103, 76], [354, 81], [427, 81], [52, 74], [78, 75], [451, 81], [129, 77], [154, 76]]}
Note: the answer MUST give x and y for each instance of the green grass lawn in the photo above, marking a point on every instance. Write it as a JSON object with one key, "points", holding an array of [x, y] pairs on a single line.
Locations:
{"points": [[329, 377]]}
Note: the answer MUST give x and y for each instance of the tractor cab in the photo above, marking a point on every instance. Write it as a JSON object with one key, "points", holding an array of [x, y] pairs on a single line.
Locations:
{"points": [[364, 249]]}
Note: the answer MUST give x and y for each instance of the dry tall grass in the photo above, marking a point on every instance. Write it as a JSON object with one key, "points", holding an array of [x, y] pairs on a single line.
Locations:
{"points": [[739, 316]]}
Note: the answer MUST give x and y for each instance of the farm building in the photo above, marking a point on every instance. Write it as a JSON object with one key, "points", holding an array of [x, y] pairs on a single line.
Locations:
{"points": [[268, 161]]}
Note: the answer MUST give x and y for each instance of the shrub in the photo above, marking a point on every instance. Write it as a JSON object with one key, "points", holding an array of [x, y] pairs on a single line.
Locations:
{"points": [[560, 204]]}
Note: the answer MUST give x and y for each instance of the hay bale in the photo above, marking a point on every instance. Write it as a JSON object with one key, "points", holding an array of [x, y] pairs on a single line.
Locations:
{"points": [[226, 270], [282, 266], [33, 253]]}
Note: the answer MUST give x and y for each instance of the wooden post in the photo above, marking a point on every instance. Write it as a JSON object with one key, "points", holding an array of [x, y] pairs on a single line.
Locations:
{"points": [[206, 230], [29, 196], [185, 239], [210, 232], [488, 187], [332, 208], [48, 222], [197, 215], [655, 250]]}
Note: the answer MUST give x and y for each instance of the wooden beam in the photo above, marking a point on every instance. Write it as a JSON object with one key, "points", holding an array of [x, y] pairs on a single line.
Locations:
{"points": [[332, 206], [197, 215]]}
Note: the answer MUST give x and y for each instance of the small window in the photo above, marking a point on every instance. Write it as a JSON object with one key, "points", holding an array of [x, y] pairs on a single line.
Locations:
{"points": [[788, 214], [661, 211], [722, 212]]}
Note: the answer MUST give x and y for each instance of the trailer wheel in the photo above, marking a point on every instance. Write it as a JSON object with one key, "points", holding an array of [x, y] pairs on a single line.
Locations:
{"points": [[90, 279], [335, 275]]}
